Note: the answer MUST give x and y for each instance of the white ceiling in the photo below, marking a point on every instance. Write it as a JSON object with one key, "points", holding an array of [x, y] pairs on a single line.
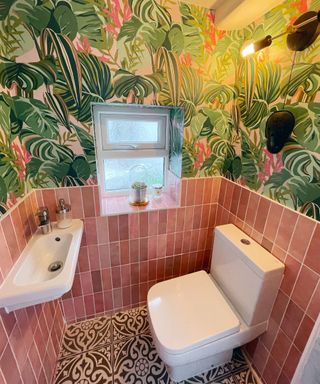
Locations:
{"points": [[236, 14]]}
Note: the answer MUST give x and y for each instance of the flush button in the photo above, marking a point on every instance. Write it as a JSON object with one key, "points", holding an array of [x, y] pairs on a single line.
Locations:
{"points": [[245, 241]]}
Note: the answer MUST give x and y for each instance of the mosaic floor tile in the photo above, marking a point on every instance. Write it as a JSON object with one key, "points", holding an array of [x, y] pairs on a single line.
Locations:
{"points": [[130, 323], [92, 367], [136, 361], [82, 336], [120, 350]]}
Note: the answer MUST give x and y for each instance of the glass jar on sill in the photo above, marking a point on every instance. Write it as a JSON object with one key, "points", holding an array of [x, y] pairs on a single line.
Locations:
{"points": [[157, 191]]}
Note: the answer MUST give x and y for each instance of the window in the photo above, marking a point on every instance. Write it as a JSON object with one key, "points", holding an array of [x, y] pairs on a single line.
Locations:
{"points": [[132, 145]]}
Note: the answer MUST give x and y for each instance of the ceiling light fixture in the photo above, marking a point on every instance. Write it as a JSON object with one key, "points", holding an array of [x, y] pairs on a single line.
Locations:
{"points": [[300, 35]]}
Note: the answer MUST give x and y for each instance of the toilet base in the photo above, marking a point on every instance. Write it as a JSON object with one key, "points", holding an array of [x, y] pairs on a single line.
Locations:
{"points": [[183, 372]]}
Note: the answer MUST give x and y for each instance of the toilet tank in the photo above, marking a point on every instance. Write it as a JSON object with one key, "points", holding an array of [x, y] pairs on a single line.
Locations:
{"points": [[249, 275]]}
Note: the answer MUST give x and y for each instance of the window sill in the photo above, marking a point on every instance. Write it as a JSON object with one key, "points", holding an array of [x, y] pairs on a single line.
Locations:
{"points": [[119, 204]]}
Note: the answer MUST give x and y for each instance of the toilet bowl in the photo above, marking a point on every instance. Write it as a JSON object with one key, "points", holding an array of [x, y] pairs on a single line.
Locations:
{"points": [[196, 320]]}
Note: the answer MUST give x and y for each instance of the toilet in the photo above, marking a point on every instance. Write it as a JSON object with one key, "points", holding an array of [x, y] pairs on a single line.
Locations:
{"points": [[196, 320]]}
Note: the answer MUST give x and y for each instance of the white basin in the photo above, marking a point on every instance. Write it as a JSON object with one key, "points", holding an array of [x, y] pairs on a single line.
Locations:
{"points": [[30, 281]]}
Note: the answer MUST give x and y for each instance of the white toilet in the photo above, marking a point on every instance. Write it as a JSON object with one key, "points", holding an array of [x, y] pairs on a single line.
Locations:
{"points": [[197, 320]]}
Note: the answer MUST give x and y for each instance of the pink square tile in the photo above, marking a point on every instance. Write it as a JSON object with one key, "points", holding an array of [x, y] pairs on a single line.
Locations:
{"points": [[144, 224], [208, 185], [191, 191], [271, 371], [125, 275], [262, 214], [94, 257], [153, 221], [102, 230], [124, 227], [113, 225], [235, 199], [76, 203], [291, 362], [291, 320], [135, 273], [183, 192], [172, 217], [301, 237], [243, 203], [273, 221], [134, 250], [312, 259], [292, 268], [280, 347], [279, 307], [286, 228], [104, 253], [188, 221], [134, 226], [161, 246], [10, 236], [305, 286], [314, 306], [86, 283], [199, 190], [260, 357], [303, 333], [115, 254], [144, 249], [88, 201], [106, 279], [116, 277], [124, 252], [228, 196], [90, 227]]}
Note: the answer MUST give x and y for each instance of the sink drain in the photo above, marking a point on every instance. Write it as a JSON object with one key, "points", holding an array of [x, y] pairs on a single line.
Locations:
{"points": [[53, 267]]}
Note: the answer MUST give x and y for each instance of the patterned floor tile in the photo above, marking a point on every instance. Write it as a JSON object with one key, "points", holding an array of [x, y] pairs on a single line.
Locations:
{"points": [[136, 361], [120, 350], [91, 367], [130, 323], [82, 336]]}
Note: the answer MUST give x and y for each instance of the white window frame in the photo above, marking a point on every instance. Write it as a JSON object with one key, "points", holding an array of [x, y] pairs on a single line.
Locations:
{"points": [[105, 150]]}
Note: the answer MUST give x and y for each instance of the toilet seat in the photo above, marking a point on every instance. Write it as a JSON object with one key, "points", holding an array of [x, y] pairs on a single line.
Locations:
{"points": [[188, 312]]}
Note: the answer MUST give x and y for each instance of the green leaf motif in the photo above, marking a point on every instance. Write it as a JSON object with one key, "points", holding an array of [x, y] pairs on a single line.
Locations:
{"points": [[126, 82], [96, 87], [35, 115], [80, 168], [90, 21], [68, 61], [28, 77], [3, 191], [66, 20], [150, 11]]}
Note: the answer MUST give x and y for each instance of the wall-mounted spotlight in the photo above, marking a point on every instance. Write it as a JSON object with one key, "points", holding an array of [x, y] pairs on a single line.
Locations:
{"points": [[300, 35]]}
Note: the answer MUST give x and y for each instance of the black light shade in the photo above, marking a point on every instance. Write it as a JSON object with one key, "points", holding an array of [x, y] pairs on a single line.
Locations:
{"points": [[263, 43], [279, 127]]}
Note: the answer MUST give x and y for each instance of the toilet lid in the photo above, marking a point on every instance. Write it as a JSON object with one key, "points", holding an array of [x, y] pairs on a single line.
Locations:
{"points": [[189, 311]]}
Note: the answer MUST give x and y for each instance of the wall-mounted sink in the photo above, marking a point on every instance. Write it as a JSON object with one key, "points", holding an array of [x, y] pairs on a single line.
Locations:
{"points": [[45, 270]]}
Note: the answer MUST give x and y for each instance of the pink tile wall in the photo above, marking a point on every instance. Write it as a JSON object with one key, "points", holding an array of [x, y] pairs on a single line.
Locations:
{"points": [[122, 256], [30, 337], [295, 240]]}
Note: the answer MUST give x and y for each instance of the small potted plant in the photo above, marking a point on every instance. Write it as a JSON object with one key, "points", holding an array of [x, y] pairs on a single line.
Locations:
{"points": [[139, 193]]}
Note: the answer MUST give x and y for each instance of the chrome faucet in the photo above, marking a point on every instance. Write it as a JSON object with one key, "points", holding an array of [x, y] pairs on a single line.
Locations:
{"points": [[44, 221]]}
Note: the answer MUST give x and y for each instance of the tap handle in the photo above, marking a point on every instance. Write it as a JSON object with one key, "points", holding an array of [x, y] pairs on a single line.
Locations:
{"points": [[43, 214]]}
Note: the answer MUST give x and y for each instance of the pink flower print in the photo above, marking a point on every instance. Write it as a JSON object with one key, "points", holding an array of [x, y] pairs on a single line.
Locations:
{"points": [[203, 152], [83, 45], [272, 164], [186, 59]]}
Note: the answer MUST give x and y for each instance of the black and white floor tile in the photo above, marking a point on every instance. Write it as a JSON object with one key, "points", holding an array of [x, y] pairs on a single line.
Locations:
{"points": [[119, 350]]}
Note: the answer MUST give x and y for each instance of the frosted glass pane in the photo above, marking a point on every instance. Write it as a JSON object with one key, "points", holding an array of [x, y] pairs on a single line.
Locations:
{"points": [[121, 173], [134, 131]]}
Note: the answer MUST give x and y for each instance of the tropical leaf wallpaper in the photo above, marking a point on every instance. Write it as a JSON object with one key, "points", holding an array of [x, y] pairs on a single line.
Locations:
{"points": [[59, 56]]}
